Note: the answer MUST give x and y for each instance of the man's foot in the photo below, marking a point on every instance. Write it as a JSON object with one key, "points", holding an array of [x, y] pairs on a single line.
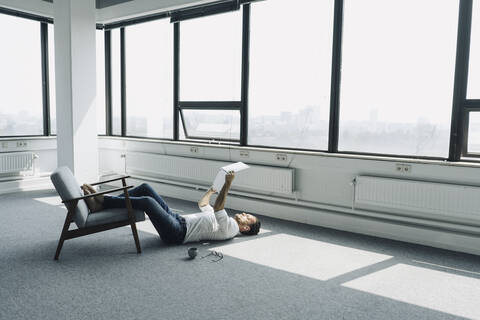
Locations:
{"points": [[92, 204], [92, 190]]}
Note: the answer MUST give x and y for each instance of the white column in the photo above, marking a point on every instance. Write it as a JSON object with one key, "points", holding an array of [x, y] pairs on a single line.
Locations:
{"points": [[77, 146]]}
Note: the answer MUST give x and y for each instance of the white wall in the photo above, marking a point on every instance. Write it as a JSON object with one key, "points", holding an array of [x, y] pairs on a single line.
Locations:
{"points": [[45, 148], [322, 181], [324, 190]]}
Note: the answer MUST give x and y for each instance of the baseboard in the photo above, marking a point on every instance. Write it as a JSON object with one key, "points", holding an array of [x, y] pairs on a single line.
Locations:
{"points": [[344, 221]]}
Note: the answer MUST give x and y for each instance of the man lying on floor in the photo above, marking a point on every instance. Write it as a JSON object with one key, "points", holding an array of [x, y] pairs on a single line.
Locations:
{"points": [[210, 224]]}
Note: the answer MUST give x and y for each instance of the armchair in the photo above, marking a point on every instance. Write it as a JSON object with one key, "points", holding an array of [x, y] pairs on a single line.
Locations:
{"points": [[92, 222]]}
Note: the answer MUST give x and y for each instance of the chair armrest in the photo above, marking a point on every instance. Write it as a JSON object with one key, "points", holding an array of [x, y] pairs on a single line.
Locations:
{"points": [[111, 180], [97, 194]]}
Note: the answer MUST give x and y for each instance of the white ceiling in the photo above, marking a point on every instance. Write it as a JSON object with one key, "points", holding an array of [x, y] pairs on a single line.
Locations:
{"points": [[108, 10]]}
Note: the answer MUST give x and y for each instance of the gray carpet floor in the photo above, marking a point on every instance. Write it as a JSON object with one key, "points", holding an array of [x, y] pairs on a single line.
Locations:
{"points": [[101, 277]]}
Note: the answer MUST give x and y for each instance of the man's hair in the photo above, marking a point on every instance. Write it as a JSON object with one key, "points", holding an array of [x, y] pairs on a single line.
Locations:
{"points": [[254, 228]]}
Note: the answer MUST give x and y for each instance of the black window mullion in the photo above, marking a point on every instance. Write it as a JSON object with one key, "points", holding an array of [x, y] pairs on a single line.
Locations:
{"points": [[459, 125], [245, 75], [210, 105], [123, 84], [108, 83], [45, 79], [176, 78], [335, 79]]}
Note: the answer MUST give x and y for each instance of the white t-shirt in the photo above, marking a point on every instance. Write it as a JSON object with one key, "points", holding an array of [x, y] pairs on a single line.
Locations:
{"points": [[209, 225]]}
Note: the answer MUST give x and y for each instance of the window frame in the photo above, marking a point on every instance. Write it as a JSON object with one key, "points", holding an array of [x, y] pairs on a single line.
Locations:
{"points": [[45, 69], [466, 106], [204, 106], [460, 105], [43, 56], [241, 106]]}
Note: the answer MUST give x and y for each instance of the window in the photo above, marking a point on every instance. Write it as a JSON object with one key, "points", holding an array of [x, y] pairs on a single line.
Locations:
{"points": [[474, 133], [100, 82], [397, 76], [51, 79], [211, 58], [116, 83], [21, 104], [149, 79], [221, 125], [290, 72], [474, 70]]}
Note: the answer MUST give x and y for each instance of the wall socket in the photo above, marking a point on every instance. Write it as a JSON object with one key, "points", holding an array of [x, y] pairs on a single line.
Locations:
{"points": [[21, 144], [281, 157], [193, 149], [403, 168], [244, 154]]}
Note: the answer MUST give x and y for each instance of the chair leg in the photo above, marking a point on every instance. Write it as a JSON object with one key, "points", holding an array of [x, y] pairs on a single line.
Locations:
{"points": [[59, 247], [66, 225], [131, 216], [135, 236]]}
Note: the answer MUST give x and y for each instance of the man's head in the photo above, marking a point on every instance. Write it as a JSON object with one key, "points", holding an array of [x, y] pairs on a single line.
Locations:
{"points": [[247, 223]]}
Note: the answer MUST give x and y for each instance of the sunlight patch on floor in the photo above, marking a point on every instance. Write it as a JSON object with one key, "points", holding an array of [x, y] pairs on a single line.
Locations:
{"points": [[263, 231], [432, 289], [146, 226], [54, 201], [311, 258]]}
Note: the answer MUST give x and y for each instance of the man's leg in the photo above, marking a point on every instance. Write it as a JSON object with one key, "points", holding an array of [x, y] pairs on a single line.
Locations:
{"points": [[166, 223], [145, 190]]}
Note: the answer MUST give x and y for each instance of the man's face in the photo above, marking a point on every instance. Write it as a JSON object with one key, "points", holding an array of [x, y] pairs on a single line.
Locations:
{"points": [[245, 218]]}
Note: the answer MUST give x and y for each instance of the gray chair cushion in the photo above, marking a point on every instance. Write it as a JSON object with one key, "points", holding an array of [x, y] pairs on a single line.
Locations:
{"points": [[112, 215], [68, 188]]}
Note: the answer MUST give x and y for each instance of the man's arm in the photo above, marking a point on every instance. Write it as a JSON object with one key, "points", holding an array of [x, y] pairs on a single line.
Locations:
{"points": [[205, 200], [222, 196]]}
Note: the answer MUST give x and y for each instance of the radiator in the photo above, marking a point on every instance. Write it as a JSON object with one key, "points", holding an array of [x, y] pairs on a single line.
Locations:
{"points": [[262, 179], [17, 163], [431, 198]]}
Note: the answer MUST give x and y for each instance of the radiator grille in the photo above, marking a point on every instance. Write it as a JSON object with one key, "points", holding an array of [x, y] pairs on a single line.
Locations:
{"points": [[16, 162], [418, 196], [264, 179]]}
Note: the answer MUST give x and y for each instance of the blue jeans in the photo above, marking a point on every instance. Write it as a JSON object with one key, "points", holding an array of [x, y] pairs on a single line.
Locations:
{"points": [[170, 226]]}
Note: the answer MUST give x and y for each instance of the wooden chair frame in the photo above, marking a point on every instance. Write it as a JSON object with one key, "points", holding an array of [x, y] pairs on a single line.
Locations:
{"points": [[72, 205]]}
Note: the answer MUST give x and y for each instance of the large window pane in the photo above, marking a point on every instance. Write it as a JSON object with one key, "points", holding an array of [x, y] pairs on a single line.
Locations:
{"points": [[116, 83], [21, 106], [474, 70], [149, 79], [290, 70], [212, 124], [100, 82], [397, 76], [211, 58], [474, 132], [51, 79]]}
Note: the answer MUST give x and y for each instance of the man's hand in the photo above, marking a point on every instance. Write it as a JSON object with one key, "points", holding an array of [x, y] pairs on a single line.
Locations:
{"points": [[222, 196], [229, 177]]}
